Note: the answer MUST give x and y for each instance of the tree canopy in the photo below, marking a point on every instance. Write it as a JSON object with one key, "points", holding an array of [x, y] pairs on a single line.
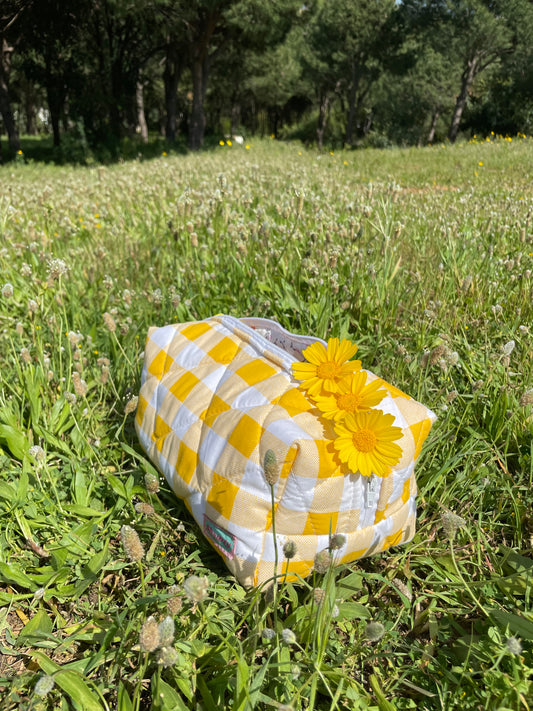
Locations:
{"points": [[346, 72]]}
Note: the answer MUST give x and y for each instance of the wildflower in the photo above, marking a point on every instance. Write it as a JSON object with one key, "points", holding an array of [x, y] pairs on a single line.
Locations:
{"points": [[37, 452], [270, 467], [268, 634], [527, 398], [335, 612], [289, 549], [366, 442], [25, 355], [513, 645], [56, 269], [175, 602], [144, 508], [353, 395], [131, 543], [104, 374], [322, 561], [288, 636], [167, 657], [80, 386], [166, 631], [437, 353], [450, 523], [7, 290], [151, 483], [337, 541], [508, 348], [318, 595], [327, 366], [374, 631], [45, 684], [109, 322], [19, 328], [33, 306], [131, 405], [25, 270], [149, 636], [195, 588]]}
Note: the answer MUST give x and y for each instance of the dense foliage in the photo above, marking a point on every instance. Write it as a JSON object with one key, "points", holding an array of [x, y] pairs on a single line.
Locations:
{"points": [[344, 72]]}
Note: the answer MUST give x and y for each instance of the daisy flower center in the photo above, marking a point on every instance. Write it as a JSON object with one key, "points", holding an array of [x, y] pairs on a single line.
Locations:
{"points": [[364, 440], [328, 370], [349, 402]]}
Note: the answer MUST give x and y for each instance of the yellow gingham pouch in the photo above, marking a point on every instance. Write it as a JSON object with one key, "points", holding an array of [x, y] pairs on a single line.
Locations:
{"points": [[215, 396]]}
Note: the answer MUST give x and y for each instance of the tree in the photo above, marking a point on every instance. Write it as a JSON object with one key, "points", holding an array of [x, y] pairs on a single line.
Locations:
{"points": [[481, 37]]}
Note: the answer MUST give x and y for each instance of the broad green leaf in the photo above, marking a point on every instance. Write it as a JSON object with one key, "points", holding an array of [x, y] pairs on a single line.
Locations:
{"points": [[353, 610], [520, 626], [166, 697], [71, 682], [124, 702], [40, 625], [16, 440], [11, 573]]}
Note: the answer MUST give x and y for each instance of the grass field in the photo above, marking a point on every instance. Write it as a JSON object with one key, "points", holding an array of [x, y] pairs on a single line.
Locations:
{"points": [[424, 257]]}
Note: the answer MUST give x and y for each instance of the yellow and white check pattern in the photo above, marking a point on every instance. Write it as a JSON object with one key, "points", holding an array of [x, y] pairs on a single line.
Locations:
{"points": [[215, 396]]}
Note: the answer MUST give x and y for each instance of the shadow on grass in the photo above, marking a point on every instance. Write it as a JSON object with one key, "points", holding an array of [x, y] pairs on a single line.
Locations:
{"points": [[74, 150]]}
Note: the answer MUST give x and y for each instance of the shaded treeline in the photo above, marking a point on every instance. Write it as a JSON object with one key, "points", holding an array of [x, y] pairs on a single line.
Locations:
{"points": [[346, 72]]}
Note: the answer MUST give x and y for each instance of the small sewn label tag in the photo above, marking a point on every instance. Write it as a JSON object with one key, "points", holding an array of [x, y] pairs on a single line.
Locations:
{"points": [[224, 541], [373, 487]]}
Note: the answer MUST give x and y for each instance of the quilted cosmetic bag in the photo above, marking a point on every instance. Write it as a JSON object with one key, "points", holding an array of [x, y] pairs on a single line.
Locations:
{"points": [[219, 404]]}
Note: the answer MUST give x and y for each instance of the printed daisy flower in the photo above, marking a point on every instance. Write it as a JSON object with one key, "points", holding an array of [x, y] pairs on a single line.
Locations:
{"points": [[354, 395], [327, 366], [366, 443]]}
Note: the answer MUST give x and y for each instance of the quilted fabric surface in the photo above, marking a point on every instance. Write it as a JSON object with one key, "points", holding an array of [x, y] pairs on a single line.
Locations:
{"points": [[215, 396]]}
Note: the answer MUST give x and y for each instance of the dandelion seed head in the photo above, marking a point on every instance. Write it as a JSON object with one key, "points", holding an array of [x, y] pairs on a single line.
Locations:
{"points": [[7, 290], [167, 657], [44, 685], [196, 588], [513, 645], [37, 452], [451, 523], [56, 269], [288, 636], [508, 348], [268, 634], [374, 631]]}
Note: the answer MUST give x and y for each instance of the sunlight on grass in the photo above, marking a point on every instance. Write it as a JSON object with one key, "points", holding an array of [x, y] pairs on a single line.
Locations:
{"points": [[110, 597]]}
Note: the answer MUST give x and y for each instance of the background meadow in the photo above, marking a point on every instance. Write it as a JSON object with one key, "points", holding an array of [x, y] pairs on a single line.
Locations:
{"points": [[424, 257]]}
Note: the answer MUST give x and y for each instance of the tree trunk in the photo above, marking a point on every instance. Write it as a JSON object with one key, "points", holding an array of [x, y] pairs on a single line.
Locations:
{"points": [[54, 106], [199, 84], [460, 103], [5, 103], [433, 126], [141, 118], [348, 139], [171, 77], [322, 120]]}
